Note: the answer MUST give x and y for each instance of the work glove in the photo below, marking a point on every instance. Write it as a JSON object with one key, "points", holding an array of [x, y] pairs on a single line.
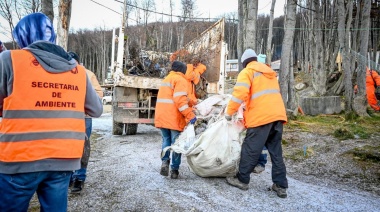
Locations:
{"points": [[228, 117], [192, 121]]}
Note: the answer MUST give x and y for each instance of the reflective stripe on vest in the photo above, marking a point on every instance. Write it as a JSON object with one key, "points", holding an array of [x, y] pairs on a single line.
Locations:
{"points": [[44, 116]]}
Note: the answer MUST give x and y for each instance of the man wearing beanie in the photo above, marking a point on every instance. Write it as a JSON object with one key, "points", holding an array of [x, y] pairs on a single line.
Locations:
{"points": [[172, 115], [44, 96], [264, 116]]}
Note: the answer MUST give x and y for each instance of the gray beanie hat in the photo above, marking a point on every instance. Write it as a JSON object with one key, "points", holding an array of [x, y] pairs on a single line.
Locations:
{"points": [[179, 67], [249, 55]]}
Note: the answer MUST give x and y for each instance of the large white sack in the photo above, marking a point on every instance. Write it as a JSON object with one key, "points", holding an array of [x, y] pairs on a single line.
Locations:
{"points": [[216, 152]]}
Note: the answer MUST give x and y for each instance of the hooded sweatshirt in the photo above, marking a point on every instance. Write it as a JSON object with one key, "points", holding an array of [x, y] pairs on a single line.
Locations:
{"points": [[53, 59], [258, 88]]}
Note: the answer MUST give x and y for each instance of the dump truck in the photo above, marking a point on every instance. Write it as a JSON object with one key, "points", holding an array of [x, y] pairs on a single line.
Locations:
{"points": [[135, 94]]}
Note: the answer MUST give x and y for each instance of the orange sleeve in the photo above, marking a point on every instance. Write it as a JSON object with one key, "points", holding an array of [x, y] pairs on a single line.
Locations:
{"points": [[376, 77], [200, 68], [240, 93]]}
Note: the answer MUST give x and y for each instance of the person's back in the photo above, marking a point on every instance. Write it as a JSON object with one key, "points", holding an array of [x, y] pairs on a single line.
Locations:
{"points": [[43, 98], [172, 115], [264, 115]]}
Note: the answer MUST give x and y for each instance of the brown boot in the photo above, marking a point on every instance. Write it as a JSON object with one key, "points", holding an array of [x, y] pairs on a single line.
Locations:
{"points": [[234, 181], [165, 168], [174, 174]]}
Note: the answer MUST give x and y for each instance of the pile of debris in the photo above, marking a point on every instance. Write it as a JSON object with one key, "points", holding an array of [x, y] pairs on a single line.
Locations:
{"points": [[149, 63]]}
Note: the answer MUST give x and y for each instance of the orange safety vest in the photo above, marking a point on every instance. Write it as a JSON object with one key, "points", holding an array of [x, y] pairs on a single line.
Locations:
{"points": [[193, 75], [372, 79], [172, 109], [258, 88], [43, 118]]}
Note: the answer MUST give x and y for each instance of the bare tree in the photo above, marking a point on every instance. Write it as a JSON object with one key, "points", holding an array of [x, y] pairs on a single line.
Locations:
{"points": [[270, 35], [188, 7], [242, 10], [6, 12], [344, 39], [287, 48], [360, 100], [47, 8], [64, 10], [251, 25]]}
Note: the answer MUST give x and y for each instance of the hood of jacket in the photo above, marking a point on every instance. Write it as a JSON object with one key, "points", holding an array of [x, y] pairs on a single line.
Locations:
{"points": [[52, 58], [264, 69]]}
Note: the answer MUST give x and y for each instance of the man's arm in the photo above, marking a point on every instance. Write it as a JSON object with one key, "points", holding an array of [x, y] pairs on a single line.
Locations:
{"points": [[95, 83], [6, 77]]}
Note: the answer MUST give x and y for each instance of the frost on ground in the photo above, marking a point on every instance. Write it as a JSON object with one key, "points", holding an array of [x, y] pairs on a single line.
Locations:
{"points": [[123, 175]]}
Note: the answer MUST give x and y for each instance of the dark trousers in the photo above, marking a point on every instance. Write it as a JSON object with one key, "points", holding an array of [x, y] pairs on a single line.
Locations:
{"points": [[270, 136]]}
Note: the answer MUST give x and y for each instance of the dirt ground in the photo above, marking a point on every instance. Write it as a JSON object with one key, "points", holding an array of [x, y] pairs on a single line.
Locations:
{"points": [[123, 175]]}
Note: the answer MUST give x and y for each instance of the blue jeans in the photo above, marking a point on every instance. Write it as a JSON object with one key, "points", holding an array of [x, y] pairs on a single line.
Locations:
{"points": [[263, 158], [80, 174], [16, 190], [168, 138]]}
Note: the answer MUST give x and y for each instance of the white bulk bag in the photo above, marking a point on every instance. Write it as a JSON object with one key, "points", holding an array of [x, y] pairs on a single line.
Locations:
{"points": [[216, 152]]}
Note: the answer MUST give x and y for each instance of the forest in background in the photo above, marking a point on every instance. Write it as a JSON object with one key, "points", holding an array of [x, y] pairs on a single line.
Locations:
{"points": [[307, 38]]}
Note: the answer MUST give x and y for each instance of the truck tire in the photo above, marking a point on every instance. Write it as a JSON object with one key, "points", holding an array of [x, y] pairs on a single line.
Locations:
{"points": [[117, 128], [130, 129]]}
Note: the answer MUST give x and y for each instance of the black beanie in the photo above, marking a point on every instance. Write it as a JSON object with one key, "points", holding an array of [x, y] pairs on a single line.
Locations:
{"points": [[179, 67], [74, 56]]}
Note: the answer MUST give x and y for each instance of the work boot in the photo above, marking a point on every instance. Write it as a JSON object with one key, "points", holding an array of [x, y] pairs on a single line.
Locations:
{"points": [[77, 186], [174, 174], [165, 168], [234, 181], [258, 169], [281, 192]]}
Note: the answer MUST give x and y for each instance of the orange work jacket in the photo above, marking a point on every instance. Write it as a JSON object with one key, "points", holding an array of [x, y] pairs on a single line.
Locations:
{"points": [[172, 109], [43, 118], [193, 75], [372, 79], [258, 88]]}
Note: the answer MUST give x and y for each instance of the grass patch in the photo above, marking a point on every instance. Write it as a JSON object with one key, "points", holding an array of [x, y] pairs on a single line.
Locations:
{"points": [[337, 125], [366, 153], [300, 154]]}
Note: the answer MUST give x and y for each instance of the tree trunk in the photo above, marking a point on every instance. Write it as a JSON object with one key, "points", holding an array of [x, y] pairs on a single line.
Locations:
{"points": [[287, 46], [270, 34], [360, 103], [242, 8], [64, 10], [47, 9], [251, 25], [318, 69]]}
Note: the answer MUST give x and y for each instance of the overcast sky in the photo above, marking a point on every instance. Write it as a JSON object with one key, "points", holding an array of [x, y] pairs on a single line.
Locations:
{"points": [[90, 14]]}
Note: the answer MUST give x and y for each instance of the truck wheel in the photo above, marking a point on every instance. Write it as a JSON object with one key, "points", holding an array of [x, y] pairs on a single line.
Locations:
{"points": [[104, 102], [130, 129], [117, 128]]}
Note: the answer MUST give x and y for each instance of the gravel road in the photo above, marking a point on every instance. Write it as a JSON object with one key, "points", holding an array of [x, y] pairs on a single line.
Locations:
{"points": [[123, 175]]}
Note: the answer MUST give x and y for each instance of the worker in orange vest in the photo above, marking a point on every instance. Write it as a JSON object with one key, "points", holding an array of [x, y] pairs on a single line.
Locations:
{"points": [[258, 88], [172, 114], [193, 76], [79, 176], [44, 96], [372, 81]]}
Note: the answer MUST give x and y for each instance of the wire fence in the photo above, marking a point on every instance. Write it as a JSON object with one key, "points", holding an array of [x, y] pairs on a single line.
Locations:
{"points": [[361, 59]]}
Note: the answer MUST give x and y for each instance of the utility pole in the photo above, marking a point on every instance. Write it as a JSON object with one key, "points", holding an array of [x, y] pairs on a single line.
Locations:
{"points": [[120, 45]]}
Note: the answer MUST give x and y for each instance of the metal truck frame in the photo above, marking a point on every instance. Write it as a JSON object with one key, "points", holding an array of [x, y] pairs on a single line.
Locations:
{"points": [[134, 97]]}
